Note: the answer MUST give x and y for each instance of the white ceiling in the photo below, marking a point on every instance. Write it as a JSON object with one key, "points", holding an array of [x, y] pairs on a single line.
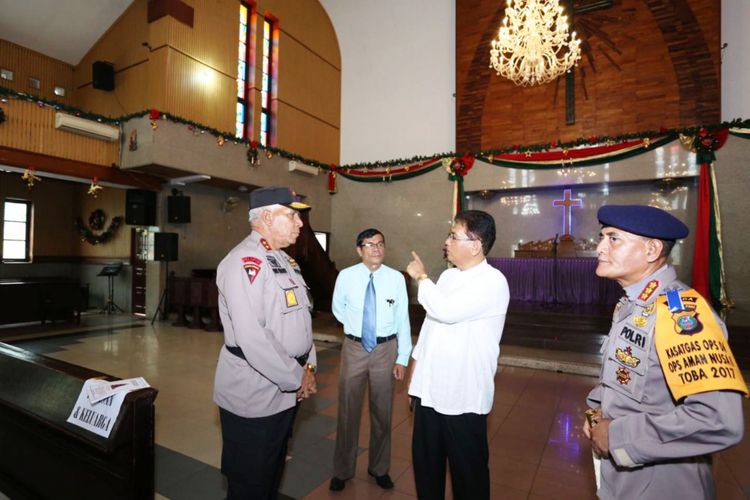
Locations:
{"points": [[63, 29]]}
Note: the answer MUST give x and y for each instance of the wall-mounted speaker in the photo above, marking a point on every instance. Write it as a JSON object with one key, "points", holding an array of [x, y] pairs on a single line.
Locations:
{"points": [[140, 207], [165, 247], [103, 75], [178, 209]]}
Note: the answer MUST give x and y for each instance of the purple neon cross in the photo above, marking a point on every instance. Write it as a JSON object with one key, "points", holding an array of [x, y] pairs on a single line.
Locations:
{"points": [[567, 203]]}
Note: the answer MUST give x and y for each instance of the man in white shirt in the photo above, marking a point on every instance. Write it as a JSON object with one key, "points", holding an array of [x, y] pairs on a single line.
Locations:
{"points": [[453, 378]]}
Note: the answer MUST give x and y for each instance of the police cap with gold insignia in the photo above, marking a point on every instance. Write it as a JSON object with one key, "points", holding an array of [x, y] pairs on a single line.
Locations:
{"points": [[266, 196], [643, 220]]}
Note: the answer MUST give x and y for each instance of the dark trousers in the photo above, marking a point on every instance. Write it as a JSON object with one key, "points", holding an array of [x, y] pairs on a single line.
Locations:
{"points": [[254, 453], [459, 439]]}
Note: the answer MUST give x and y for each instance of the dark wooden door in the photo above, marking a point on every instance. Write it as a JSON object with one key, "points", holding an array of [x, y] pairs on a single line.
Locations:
{"points": [[138, 257]]}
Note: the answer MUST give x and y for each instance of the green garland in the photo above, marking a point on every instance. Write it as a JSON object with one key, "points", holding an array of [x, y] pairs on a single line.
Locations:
{"points": [[271, 151], [95, 239]]}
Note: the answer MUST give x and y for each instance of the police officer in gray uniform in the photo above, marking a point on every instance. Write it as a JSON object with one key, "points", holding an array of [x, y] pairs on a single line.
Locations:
{"points": [[267, 364], [653, 440]]}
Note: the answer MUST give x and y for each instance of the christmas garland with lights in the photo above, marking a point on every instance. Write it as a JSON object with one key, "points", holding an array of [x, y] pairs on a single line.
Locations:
{"points": [[96, 222], [385, 171]]}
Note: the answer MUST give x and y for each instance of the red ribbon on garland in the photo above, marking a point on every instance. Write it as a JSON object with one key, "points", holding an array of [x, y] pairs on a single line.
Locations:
{"points": [[708, 259]]}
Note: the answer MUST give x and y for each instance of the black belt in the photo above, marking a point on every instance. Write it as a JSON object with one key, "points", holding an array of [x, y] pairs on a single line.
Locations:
{"points": [[237, 351], [380, 340]]}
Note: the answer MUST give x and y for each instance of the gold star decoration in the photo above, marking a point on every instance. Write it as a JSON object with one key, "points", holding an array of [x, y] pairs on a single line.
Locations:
{"points": [[30, 178]]}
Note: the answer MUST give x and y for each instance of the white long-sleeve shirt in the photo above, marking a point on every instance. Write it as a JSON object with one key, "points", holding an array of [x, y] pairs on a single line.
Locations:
{"points": [[459, 343]]}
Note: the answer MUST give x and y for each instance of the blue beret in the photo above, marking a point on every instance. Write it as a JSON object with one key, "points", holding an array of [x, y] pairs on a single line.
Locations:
{"points": [[643, 220]]}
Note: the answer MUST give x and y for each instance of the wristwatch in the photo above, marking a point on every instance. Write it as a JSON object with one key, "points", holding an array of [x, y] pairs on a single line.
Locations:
{"points": [[310, 368]]}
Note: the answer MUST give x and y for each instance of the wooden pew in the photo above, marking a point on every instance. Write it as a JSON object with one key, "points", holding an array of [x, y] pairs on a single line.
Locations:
{"points": [[195, 296], [44, 457]]}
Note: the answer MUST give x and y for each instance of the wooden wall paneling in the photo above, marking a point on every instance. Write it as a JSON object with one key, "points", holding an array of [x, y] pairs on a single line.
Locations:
{"points": [[307, 135], [308, 82], [112, 202], [122, 46], [53, 202], [213, 39], [26, 63], [653, 88], [131, 93], [197, 92], [309, 24], [31, 127]]}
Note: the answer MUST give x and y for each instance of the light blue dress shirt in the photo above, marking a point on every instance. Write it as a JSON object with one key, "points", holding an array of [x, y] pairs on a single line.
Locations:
{"points": [[392, 304]]}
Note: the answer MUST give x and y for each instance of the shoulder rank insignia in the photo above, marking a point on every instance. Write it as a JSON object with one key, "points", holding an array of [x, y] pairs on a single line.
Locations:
{"points": [[648, 290], [265, 244], [625, 356], [252, 267], [623, 376]]}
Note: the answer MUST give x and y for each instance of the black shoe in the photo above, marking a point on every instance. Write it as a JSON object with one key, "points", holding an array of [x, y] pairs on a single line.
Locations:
{"points": [[383, 481], [337, 484]]}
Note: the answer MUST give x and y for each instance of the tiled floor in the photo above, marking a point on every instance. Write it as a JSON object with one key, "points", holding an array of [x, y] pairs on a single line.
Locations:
{"points": [[537, 450]]}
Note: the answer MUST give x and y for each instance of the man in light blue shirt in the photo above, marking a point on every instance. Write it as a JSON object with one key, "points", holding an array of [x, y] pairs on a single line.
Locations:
{"points": [[370, 299]]}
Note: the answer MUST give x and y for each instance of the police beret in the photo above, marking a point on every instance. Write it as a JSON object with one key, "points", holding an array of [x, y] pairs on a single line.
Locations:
{"points": [[266, 196], [643, 220]]}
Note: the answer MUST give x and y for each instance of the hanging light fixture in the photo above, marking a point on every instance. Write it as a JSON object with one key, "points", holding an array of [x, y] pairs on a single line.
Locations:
{"points": [[532, 46]]}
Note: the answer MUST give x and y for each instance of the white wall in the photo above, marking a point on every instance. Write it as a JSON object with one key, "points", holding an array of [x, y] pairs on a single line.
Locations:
{"points": [[735, 70], [398, 77]]}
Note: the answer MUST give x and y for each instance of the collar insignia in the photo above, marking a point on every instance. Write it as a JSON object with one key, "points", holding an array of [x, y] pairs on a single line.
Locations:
{"points": [[265, 244]]}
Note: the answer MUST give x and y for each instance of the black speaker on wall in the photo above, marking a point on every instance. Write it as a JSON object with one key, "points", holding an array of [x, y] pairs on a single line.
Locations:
{"points": [[103, 75], [178, 209], [140, 207], [165, 247]]}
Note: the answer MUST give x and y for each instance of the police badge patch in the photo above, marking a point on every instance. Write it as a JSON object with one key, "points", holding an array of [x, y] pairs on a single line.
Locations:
{"points": [[252, 267], [686, 320]]}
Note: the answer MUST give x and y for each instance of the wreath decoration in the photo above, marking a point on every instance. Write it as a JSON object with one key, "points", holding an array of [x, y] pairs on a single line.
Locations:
{"points": [[2, 115], [458, 167], [95, 219]]}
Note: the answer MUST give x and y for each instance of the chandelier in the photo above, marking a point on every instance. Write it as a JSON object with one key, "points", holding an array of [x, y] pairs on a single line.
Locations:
{"points": [[532, 45]]}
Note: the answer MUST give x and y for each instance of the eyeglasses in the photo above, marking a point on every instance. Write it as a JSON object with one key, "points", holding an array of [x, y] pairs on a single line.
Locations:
{"points": [[452, 236], [370, 246]]}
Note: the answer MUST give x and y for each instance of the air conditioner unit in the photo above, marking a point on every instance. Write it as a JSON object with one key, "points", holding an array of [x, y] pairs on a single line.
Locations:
{"points": [[301, 168], [82, 126]]}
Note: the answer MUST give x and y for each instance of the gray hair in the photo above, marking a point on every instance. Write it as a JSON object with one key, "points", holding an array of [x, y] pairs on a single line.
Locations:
{"points": [[254, 214]]}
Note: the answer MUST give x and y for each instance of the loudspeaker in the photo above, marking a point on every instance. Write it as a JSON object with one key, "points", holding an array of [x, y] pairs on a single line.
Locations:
{"points": [[178, 209], [140, 207], [165, 247], [103, 75]]}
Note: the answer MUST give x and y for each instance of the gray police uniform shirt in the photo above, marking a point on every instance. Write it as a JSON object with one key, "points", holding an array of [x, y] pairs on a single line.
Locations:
{"points": [[265, 310], [658, 447]]}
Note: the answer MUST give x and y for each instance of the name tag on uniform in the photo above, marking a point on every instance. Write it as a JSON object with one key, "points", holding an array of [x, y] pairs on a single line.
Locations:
{"points": [[291, 297]]}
